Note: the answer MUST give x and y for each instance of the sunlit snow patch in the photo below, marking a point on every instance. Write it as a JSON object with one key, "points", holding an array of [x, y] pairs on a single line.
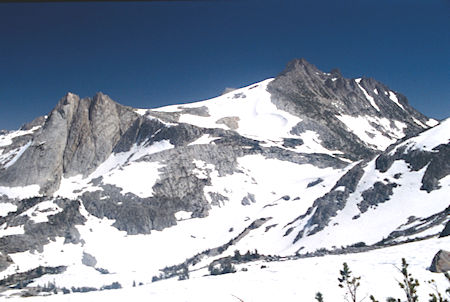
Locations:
{"points": [[41, 211], [205, 139], [117, 165], [368, 97], [20, 192], [429, 139], [54, 254], [6, 208], [432, 122], [363, 127], [6, 230], [202, 169], [313, 144], [182, 215], [394, 98], [141, 111], [251, 109], [419, 122], [137, 178], [19, 153], [7, 139]]}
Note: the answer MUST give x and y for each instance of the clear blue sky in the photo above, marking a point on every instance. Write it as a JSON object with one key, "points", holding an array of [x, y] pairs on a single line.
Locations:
{"points": [[149, 54]]}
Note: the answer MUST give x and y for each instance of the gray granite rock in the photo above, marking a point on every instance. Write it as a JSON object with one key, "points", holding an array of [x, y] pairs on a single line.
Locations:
{"points": [[318, 98], [78, 135], [440, 262]]}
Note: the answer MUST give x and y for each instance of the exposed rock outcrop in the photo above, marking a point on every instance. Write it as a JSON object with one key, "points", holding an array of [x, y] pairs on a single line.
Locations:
{"points": [[326, 207], [436, 162], [318, 98], [446, 231], [441, 262], [78, 135]]}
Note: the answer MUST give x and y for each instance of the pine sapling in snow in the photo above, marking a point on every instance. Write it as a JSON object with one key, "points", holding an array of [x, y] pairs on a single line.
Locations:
{"points": [[408, 284], [372, 299], [437, 296], [319, 297], [349, 283]]}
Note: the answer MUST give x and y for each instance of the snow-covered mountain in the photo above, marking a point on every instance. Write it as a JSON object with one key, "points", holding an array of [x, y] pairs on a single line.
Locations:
{"points": [[300, 165]]}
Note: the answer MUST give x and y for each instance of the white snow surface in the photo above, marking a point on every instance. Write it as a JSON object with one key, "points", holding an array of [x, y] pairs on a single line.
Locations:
{"points": [[6, 207], [292, 280], [365, 128], [18, 154], [419, 123], [312, 144], [141, 111], [367, 95], [20, 192], [137, 178], [257, 117], [428, 139], [6, 139], [146, 254], [432, 122], [205, 139], [126, 170], [40, 212], [8, 156], [6, 230], [394, 98]]}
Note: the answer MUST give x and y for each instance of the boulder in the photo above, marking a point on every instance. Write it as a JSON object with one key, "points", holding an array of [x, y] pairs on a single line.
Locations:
{"points": [[446, 231], [441, 262]]}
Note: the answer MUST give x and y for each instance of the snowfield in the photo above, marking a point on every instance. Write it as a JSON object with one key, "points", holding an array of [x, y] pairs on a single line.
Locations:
{"points": [[428, 140], [20, 192], [251, 109], [364, 128], [291, 280]]}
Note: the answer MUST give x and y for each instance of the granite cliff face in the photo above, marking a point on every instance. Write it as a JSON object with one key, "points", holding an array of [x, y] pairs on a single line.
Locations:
{"points": [[286, 166], [76, 137]]}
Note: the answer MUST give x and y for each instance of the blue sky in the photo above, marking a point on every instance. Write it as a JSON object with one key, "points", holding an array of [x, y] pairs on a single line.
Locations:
{"points": [[150, 54]]}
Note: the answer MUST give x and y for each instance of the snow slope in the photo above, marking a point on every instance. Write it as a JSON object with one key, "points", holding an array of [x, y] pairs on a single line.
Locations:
{"points": [[250, 107], [293, 280], [280, 198]]}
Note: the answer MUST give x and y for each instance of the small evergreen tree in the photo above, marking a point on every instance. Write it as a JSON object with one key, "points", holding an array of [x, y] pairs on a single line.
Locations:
{"points": [[372, 298], [437, 296], [447, 291], [349, 283], [408, 284], [319, 297]]}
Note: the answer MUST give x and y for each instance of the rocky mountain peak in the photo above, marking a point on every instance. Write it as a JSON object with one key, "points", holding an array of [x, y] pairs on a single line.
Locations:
{"points": [[299, 66], [336, 72], [100, 97], [78, 135]]}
